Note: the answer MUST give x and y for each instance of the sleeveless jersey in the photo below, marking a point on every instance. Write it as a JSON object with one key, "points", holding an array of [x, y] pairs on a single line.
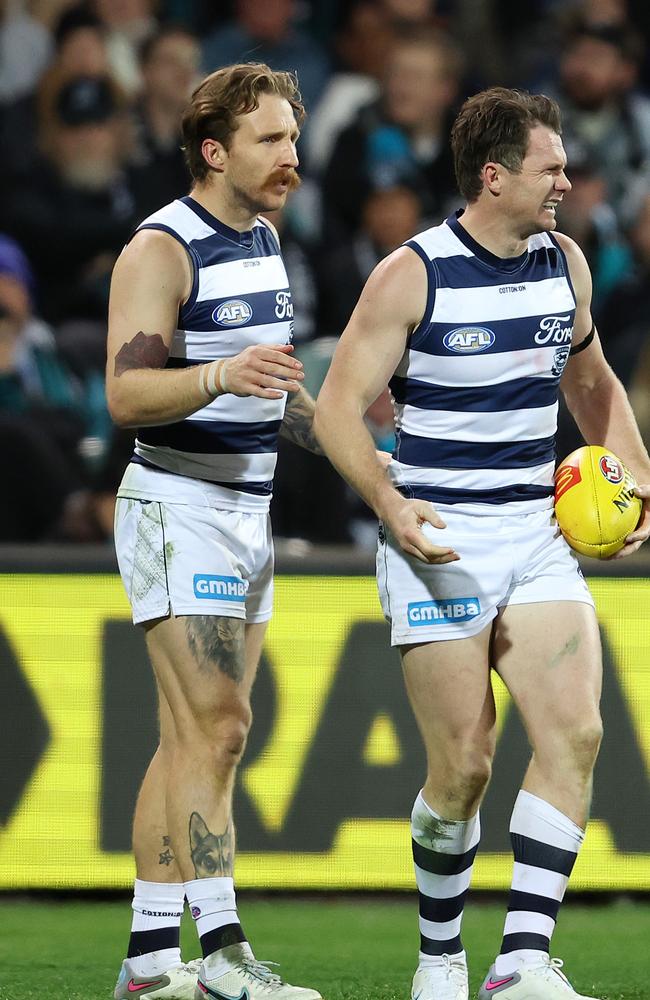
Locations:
{"points": [[240, 297], [476, 392]]}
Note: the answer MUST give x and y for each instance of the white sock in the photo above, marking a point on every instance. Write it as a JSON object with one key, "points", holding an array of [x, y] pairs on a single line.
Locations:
{"points": [[157, 911], [432, 961], [212, 903]]}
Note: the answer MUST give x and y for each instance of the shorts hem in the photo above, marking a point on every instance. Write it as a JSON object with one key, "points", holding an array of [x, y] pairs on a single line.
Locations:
{"points": [[214, 610], [259, 616], [552, 599], [140, 617], [438, 633]]}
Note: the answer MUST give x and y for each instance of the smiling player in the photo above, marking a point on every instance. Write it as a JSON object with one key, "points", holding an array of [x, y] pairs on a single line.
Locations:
{"points": [[199, 360], [474, 322]]}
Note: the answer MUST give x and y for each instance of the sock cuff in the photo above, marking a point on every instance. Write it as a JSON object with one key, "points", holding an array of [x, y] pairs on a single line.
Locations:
{"points": [[158, 896], [536, 818], [217, 890], [445, 836]]}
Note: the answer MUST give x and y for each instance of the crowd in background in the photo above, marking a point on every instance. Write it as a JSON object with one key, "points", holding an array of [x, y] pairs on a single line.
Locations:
{"points": [[91, 96]]}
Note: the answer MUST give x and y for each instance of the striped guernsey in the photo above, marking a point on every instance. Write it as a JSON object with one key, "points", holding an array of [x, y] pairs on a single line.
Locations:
{"points": [[476, 392]]}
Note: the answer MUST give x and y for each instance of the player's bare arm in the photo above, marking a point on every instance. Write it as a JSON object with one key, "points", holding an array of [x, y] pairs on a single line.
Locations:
{"points": [[298, 422], [151, 280], [596, 398], [390, 307]]}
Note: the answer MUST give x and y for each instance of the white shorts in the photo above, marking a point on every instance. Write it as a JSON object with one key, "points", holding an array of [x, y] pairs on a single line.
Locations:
{"points": [[194, 560], [515, 559]]}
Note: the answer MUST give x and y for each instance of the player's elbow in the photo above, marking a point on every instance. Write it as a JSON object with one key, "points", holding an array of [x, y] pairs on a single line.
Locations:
{"points": [[120, 406]]}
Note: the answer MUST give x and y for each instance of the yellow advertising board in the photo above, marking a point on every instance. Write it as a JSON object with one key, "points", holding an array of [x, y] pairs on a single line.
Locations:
{"points": [[334, 763]]}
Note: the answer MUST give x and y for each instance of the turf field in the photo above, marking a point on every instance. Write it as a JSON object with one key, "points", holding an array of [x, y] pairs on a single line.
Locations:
{"points": [[357, 949]]}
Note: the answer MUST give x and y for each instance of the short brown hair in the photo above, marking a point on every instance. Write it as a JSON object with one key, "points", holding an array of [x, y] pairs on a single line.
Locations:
{"points": [[495, 125], [221, 97]]}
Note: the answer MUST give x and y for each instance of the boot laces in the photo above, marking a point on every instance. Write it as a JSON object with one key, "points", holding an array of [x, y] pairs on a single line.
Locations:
{"points": [[455, 971], [260, 971], [554, 966]]}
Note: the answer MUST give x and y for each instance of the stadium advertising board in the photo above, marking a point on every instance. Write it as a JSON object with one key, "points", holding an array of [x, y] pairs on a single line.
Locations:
{"points": [[334, 760]]}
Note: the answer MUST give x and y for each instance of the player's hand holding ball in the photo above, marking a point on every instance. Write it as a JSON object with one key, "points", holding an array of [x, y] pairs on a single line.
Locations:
{"points": [[600, 509]]}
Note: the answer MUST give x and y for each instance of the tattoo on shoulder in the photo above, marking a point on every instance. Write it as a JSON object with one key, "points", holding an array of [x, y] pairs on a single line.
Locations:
{"points": [[212, 854], [297, 425], [217, 643], [146, 350]]}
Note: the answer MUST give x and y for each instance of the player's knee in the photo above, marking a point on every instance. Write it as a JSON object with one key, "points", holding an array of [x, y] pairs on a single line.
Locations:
{"points": [[467, 775], [229, 735], [584, 743], [219, 732], [575, 744]]}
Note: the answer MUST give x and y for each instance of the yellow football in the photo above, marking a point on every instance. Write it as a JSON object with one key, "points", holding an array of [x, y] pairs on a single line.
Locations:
{"points": [[595, 503]]}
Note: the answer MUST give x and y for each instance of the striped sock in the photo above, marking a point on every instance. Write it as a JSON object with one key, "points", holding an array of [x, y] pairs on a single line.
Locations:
{"points": [[545, 843], [214, 909], [154, 944], [443, 852]]}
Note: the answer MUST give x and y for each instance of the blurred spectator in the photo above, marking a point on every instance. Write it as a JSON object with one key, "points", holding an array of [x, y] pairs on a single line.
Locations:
{"points": [[74, 210], [265, 31], [169, 62], [25, 48], [604, 119], [79, 50], [403, 137], [127, 23], [413, 14], [362, 47], [390, 216], [587, 217], [624, 319], [45, 416], [299, 264]]}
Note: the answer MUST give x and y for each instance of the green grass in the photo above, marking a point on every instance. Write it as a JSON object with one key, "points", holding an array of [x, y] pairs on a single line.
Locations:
{"points": [[357, 949]]}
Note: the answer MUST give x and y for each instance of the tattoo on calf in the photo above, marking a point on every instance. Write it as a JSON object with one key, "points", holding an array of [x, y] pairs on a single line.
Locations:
{"points": [[146, 350], [212, 854], [166, 856], [217, 642]]}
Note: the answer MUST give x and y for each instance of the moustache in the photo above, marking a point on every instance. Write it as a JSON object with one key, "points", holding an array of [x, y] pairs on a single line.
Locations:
{"points": [[288, 177]]}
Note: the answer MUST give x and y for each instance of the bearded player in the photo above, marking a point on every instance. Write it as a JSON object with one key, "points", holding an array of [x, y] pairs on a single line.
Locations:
{"points": [[477, 323]]}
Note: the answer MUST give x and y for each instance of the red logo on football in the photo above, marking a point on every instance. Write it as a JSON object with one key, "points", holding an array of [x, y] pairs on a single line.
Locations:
{"points": [[566, 477], [611, 469]]}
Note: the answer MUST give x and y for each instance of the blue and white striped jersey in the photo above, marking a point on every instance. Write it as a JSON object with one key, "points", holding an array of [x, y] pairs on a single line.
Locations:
{"points": [[240, 297], [476, 392]]}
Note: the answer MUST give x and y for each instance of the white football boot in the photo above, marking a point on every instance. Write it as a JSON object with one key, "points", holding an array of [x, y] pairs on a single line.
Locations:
{"points": [[233, 973], [541, 980], [177, 983], [446, 981]]}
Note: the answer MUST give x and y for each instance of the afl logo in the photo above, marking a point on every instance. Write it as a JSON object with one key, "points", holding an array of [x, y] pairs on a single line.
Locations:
{"points": [[611, 469], [468, 339], [234, 312]]}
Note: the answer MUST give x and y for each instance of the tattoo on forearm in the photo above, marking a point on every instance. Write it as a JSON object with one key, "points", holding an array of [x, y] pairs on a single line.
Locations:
{"points": [[146, 350], [217, 642], [166, 856], [297, 425], [212, 854]]}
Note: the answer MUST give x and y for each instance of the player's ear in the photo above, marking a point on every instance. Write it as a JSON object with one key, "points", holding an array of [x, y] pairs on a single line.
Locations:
{"points": [[214, 153], [492, 174]]}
